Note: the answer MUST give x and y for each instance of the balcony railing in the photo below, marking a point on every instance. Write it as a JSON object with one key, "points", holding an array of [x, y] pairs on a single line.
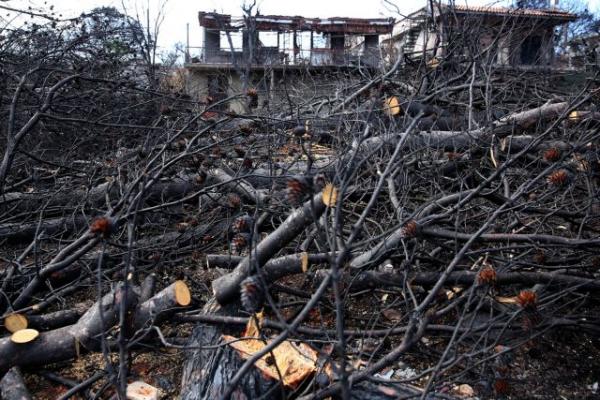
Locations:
{"points": [[273, 56]]}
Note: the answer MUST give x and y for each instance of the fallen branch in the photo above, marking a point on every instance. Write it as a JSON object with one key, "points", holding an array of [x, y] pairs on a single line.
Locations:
{"points": [[373, 279], [510, 237], [226, 288], [158, 308], [66, 343]]}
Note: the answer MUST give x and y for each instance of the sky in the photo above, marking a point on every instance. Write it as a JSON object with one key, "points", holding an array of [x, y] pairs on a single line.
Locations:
{"points": [[179, 13]]}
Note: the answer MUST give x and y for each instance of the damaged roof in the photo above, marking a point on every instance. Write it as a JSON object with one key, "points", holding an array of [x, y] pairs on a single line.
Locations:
{"points": [[552, 13], [281, 23]]}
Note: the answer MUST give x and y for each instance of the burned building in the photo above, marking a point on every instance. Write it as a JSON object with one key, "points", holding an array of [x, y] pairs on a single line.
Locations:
{"points": [[266, 53], [503, 37], [584, 52]]}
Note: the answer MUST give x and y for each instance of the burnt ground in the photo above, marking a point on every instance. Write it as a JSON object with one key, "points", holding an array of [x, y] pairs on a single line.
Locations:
{"points": [[560, 364]]}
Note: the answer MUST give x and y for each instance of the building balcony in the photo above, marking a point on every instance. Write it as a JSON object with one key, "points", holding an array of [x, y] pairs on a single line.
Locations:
{"points": [[274, 57]]}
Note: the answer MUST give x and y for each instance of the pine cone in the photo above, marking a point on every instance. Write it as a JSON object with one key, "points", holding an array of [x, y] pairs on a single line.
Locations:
{"points": [[243, 223], [527, 299], [239, 242], [252, 92], [552, 154], [233, 200], [487, 276], [103, 225], [298, 189], [411, 229], [559, 178]]}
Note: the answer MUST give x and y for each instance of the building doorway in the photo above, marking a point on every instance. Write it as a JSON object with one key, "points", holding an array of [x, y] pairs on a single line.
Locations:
{"points": [[531, 50]]}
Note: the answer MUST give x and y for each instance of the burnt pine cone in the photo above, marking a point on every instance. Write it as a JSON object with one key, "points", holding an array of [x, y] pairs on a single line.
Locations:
{"points": [[233, 201], [239, 242], [243, 223], [298, 188], [559, 178]]}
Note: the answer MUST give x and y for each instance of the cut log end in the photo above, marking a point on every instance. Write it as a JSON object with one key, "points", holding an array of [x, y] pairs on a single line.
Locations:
{"points": [[141, 391], [574, 116], [330, 194], [24, 336], [183, 295], [15, 322]]}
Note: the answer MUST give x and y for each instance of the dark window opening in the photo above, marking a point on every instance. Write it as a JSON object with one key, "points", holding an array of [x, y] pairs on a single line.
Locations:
{"points": [[337, 48], [531, 50]]}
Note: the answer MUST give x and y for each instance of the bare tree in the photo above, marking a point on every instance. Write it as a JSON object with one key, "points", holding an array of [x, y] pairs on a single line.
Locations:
{"points": [[417, 230]]}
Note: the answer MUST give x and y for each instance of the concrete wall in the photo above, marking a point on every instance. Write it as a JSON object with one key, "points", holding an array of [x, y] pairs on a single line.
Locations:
{"points": [[197, 85], [426, 42], [274, 87], [501, 40]]}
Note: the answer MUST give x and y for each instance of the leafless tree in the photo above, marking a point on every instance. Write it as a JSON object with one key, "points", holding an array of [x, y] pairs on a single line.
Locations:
{"points": [[424, 227]]}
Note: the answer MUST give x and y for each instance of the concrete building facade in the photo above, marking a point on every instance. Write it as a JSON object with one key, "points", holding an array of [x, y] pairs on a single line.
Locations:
{"points": [[275, 54], [509, 37]]}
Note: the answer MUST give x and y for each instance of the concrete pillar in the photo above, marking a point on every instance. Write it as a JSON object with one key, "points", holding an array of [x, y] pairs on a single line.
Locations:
{"points": [[296, 48], [272, 86], [311, 47]]}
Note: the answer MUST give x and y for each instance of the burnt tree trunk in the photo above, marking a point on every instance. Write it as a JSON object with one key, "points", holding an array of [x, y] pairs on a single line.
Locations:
{"points": [[12, 386], [207, 372]]}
